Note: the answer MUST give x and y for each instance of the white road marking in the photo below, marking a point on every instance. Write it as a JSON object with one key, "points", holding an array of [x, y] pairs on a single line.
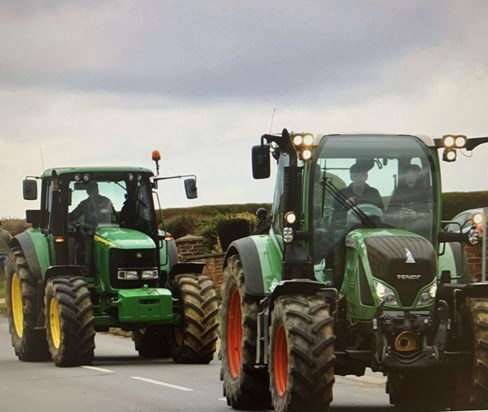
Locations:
{"points": [[94, 368], [222, 399], [169, 385]]}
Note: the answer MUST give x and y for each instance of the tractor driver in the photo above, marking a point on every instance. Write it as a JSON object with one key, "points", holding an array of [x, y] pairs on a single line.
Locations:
{"points": [[95, 208], [359, 191]]}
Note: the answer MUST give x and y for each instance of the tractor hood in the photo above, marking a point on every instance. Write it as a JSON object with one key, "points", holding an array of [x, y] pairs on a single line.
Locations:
{"points": [[116, 237], [402, 259]]}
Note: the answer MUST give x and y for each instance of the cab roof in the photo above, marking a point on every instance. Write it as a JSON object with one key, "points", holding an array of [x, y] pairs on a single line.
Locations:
{"points": [[95, 169]]}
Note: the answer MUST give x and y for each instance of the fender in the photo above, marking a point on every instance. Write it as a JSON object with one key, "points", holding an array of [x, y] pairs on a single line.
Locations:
{"points": [[186, 267], [68, 270], [251, 264], [305, 287], [35, 248]]}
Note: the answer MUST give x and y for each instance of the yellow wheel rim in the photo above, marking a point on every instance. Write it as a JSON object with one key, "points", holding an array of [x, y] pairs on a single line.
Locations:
{"points": [[54, 323], [17, 311]]}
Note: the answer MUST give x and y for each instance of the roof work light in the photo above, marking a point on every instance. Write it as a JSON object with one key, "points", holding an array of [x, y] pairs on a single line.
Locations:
{"points": [[303, 143], [451, 144]]}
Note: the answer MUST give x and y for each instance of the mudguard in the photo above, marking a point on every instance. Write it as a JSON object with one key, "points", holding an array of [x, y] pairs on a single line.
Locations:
{"points": [[35, 248], [251, 264], [67, 270]]}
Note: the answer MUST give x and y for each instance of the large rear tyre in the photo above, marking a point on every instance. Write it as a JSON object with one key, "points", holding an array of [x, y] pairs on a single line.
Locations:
{"points": [[479, 382], [245, 386], [195, 339], [153, 342], [29, 342], [69, 321], [301, 354]]}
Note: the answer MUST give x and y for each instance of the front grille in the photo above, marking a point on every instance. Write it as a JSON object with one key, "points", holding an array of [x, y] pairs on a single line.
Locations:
{"points": [[134, 259]]}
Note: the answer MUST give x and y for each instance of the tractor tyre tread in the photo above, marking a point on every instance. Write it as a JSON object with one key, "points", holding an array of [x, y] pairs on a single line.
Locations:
{"points": [[479, 310], [250, 389], [32, 345], [308, 328], [76, 321], [195, 342]]}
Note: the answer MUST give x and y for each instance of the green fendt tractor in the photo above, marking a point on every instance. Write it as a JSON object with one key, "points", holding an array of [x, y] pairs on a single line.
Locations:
{"points": [[91, 263], [353, 276]]}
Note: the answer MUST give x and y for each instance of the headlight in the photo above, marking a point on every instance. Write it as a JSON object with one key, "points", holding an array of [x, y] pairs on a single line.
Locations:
{"points": [[306, 154], [288, 235], [477, 218], [150, 274], [385, 294], [428, 295], [433, 290], [127, 275], [297, 140], [308, 140], [290, 218]]}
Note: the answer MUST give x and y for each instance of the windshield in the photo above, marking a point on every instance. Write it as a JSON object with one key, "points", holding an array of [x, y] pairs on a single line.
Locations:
{"points": [[370, 181], [121, 202]]}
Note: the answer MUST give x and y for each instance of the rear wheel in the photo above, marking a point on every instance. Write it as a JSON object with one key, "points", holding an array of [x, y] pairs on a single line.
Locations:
{"points": [[245, 386], [153, 342], [69, 321], [195, 339], [28, 341], [301, 354]]}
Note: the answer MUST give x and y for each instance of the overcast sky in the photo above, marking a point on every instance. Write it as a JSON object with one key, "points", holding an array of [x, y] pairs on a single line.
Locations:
{"points": [[105, 82]]}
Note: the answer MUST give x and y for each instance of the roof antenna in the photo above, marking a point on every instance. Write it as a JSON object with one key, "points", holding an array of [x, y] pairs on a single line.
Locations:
{"points": [[272, 120], [42, 158]]}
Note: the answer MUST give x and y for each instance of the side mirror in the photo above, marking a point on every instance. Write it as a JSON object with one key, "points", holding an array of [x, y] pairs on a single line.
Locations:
{"points": [[191, 188], [260, 162], [29, 189]]}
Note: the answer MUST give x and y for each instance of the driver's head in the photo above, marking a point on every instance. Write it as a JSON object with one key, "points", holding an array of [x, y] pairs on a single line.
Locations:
{"points": [[359, 174], [92, 188], [411, 175]]}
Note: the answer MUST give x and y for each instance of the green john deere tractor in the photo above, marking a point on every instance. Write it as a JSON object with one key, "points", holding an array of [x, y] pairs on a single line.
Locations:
{"points": [[91, 263], [353, 276]]}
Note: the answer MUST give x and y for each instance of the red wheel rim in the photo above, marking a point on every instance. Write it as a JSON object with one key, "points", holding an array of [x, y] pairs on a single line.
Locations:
{"points": [[234, 333], [280, 358]]}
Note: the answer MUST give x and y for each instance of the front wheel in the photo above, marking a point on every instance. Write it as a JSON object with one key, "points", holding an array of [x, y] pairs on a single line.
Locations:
{"points": [[69, 321], [196, 337], [479, 382], [301, 354], [245, 386]]}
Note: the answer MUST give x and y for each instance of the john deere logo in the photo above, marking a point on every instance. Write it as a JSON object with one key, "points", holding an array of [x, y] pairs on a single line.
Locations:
{"points": [[139, 255], [409, 256]]}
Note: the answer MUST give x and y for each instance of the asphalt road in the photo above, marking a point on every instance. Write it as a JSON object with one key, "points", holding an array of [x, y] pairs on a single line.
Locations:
{"points": [[120, 381]]}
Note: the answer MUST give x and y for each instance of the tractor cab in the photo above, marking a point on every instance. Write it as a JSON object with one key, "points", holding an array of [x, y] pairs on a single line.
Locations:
{"points": [[372, 182]]}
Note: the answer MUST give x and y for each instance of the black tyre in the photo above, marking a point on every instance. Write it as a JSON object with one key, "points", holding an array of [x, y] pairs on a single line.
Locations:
{"points": [[301, 354], [153, 342], [245, 386], [479, 381], [195, 339], [69, 321], [28, 341]]}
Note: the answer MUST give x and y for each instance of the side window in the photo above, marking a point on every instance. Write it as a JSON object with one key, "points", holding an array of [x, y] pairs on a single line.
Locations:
{"points": [[48, 205], [278, 195]]}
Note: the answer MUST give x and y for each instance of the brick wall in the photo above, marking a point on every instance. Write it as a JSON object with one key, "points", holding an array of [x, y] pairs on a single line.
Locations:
{"points": [[474, 256], [190, 249]]}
